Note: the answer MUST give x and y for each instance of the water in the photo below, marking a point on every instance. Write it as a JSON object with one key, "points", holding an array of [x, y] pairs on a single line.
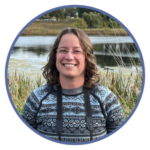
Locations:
{"points": [[30, 53]]}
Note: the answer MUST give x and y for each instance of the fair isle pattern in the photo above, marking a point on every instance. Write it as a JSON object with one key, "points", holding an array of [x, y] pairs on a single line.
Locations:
{"points": [[74, 122]]}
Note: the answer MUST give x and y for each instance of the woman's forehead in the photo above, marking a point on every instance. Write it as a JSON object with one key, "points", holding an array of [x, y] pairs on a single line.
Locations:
{"points": [[69, 40], [69, 37]]}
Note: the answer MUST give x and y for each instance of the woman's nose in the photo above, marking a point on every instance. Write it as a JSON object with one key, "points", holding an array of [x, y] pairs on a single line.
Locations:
{"points": [[69, 55]]}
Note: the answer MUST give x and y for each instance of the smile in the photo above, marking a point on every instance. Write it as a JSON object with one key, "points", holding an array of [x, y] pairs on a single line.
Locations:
{"points": [[69, 65]]}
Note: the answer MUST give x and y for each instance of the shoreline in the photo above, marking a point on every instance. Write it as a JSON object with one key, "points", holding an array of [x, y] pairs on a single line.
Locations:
{"points": [[44, 28], [90, 32], [29, 68]]}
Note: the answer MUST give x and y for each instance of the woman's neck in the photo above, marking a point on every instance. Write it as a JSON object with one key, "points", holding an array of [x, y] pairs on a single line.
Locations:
{"points": [[71, 83]]}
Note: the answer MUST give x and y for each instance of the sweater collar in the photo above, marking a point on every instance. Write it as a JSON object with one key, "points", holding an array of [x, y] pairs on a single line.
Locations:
{"points": [[73, 91]]}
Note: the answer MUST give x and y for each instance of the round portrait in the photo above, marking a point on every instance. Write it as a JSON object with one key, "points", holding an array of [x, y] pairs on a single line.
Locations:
{"points": [[75, 74]]}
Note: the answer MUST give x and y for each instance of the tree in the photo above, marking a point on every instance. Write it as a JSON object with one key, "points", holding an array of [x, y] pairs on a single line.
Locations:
{"points": [[82, 10], [80, 23], [104, 24], [93, 20], [105, 17], [70, 11], [59, 14], [113, 24]]}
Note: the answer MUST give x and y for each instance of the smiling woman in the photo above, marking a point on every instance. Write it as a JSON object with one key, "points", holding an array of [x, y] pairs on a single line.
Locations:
{"points": [[72, 40], [72, 106], [70, 62]]}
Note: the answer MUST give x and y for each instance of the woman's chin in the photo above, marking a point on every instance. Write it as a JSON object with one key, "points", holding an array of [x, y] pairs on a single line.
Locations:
{"points": [[70, 76]]}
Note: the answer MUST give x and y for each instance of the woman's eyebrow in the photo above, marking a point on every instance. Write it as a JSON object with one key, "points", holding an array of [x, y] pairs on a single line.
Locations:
{"points": [[77, 47], [62, 47], [73, 47]]}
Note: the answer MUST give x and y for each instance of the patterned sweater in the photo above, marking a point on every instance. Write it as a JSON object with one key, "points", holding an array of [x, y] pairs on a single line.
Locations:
{"points": [[42, 115]]}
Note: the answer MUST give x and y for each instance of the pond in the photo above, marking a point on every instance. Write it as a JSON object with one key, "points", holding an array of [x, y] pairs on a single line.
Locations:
{"points": [[30, 53]]}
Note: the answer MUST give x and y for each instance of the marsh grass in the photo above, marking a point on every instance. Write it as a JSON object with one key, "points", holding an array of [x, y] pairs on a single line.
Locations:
{"points": [[126, 87], [21, 86]]}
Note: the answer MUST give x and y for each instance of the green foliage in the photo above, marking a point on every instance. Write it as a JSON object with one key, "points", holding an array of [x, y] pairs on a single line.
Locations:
{"points": [[104, 24], [80, 23], [82, 10], [59, 14], [70, 12], [112, 24], [105, 17], [43, 17], [93, 20]]}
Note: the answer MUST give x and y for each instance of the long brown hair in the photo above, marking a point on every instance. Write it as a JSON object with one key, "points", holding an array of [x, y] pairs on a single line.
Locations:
{"points": [[50, 71]]}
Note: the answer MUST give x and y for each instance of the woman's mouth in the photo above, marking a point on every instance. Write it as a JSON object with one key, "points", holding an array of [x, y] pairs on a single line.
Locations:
{"points": [[69, 65]]}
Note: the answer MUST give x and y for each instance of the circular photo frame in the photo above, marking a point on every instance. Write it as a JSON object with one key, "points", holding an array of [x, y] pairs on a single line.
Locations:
{"points": [[6, 74]]}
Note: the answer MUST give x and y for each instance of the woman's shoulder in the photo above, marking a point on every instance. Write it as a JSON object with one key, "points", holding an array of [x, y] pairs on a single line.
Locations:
{"points": [[41, 91], [43, 88], [102, 91]]}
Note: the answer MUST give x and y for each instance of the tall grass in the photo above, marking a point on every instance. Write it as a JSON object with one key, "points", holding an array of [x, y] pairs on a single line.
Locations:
{"points": [[127, 88], [21, 86]]}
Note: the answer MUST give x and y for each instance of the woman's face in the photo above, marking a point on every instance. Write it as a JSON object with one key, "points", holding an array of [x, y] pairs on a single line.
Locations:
{"points": [[70, 57]]}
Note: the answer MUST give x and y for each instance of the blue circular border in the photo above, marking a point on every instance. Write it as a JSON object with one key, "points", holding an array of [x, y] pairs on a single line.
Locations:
{"points": [[79, 6]]}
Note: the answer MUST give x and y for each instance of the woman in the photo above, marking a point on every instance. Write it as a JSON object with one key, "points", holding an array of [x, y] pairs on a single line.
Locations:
{"points": [[73, 106]]}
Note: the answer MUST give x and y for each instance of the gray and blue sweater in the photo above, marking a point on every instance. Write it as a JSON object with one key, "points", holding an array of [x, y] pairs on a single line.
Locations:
{"points": [[106, 112]]}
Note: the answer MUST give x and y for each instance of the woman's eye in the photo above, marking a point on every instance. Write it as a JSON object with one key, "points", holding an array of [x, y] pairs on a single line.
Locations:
{"points": [[63, 51], [76, 51]]}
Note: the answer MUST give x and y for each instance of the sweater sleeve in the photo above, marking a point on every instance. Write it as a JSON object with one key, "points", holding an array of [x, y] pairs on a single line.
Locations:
{"points": [[30, 110], [115, 115]]}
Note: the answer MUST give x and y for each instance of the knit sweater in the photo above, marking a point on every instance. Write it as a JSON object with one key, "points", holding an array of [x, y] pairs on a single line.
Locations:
{"points": [[42, 115]]}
